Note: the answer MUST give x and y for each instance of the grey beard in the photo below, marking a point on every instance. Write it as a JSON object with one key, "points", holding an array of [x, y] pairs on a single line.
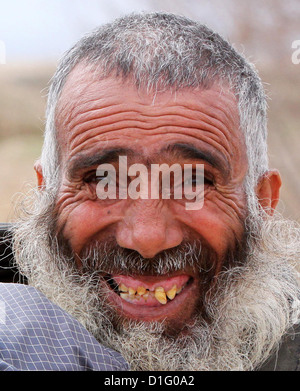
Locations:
{"points": [[255, 302]]}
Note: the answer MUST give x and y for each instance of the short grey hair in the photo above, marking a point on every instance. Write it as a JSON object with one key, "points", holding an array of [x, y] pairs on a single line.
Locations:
{"points": [[163, 51]]}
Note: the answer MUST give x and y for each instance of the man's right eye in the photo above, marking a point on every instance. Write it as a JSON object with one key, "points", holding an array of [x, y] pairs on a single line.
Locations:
{"points": [[93, 178]]}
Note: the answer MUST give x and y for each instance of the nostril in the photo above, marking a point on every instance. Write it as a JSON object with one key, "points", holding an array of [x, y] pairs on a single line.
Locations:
{"points": [[148, 236]]}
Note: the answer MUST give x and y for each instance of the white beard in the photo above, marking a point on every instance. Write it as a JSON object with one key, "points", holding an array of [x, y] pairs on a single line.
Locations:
{"points": [[253, 307]]}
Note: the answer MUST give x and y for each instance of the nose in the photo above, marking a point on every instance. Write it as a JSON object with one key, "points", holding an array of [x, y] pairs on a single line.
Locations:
{"points": [[148, 227]]}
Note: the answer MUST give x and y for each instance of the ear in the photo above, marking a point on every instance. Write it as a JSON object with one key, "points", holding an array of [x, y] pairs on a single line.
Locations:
{"points": [[39, 174], [267, 190]]}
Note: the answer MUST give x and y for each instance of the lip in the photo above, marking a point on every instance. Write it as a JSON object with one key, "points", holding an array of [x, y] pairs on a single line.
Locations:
{"points": [[181, 307]]}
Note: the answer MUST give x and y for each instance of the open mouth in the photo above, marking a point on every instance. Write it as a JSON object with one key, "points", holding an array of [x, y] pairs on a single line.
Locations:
{"points": [[150, 292], [151, 297]]}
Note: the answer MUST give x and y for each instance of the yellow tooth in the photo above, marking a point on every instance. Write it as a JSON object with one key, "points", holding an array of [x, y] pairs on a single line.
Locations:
{"points": [[124, 295], [179, 290], [123, 288], [172, 292], [141, 290], [146, 295], [131, 291], [160, 295]]}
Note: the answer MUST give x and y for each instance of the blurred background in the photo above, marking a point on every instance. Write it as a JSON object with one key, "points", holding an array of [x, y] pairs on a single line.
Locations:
{"points": [[35, 33]]}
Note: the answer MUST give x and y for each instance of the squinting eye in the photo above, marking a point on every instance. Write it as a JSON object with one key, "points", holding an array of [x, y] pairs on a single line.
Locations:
{"points": [[93, 178], [194, 180]]}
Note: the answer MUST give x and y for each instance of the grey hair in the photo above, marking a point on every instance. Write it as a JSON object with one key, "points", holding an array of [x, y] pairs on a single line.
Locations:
{"points": [[162, 51]]}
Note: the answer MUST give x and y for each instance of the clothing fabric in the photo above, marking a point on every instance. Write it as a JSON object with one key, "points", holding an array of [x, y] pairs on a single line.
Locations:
{"points": [[37, 335], [287, 357]]}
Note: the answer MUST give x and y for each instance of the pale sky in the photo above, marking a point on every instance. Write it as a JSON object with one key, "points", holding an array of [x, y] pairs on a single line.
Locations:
{"points": [[33, 30], [44, 29]]}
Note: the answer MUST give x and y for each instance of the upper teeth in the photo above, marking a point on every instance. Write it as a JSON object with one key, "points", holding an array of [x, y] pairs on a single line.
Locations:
{"points": [[159, 293], [141, 290]]}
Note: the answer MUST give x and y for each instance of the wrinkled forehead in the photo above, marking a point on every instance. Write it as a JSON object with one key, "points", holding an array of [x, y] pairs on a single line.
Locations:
{"points": [[84, 80], [89, 101]]}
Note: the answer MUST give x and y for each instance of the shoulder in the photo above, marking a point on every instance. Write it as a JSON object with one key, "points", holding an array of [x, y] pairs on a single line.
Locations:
{"points": [[36, 334]]}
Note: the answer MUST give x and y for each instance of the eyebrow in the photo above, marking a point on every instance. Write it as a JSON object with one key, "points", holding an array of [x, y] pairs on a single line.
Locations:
{"points": [[187, 151], [83, 161]]}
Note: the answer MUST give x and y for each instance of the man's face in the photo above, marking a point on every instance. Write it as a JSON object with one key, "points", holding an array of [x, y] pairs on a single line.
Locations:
{"points": [[99, 120]]}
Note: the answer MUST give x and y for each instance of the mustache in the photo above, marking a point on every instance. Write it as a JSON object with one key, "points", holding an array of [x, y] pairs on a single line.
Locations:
{"points": [[110, 258], [196, 256]]}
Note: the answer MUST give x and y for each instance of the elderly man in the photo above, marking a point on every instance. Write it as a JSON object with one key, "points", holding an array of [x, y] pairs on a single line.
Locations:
{"points": [[169, 287]]}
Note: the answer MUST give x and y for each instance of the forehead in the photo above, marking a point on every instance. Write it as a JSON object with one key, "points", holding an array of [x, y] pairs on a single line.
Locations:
{"points": [[94, 114]]}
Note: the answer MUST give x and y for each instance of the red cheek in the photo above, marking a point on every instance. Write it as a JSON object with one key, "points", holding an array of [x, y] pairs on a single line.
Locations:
{"points": [[218, 229], [85, 221]]}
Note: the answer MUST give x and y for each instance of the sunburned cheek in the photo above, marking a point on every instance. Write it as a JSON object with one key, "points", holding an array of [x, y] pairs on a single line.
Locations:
{"points": [[218, 229], [83, 222]]}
